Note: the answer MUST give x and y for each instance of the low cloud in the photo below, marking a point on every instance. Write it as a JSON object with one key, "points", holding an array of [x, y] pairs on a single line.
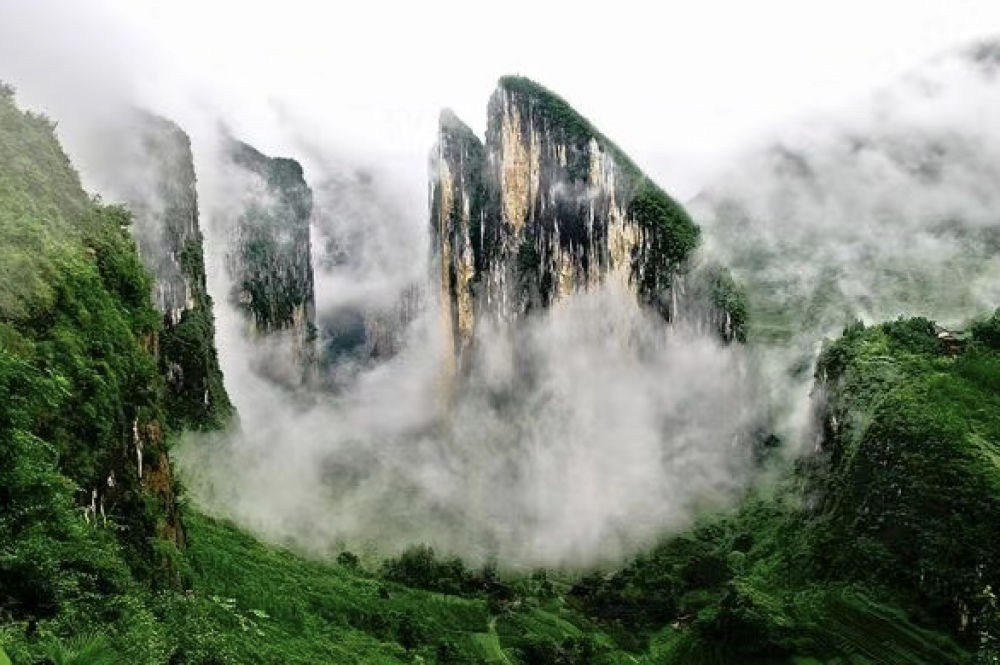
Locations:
{"points": [[578, 438], [884, 209]]}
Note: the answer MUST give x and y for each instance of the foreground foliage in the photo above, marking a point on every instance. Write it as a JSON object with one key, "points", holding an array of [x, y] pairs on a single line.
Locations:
{"points": [[80, 395]]}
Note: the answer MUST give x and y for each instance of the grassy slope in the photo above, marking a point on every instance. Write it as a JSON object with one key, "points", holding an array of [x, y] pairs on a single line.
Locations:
{"points": [[284, 609], [253, 603], [745, 588], [296, 611], [273, 606], [913, 435]]}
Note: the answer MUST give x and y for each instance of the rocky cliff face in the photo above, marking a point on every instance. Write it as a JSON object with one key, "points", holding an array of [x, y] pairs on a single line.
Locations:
{"points": [[458, 221], [547, 207], [162, 195], [270, 257]]}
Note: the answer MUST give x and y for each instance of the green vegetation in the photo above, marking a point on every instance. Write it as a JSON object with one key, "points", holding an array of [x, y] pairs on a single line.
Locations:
{"points": [[190, 347], [671, 237], [670, 233], [84, 650], [749, 588], [880, 549], [272, 265], [798, 574], [82, 398], [249, 603], [913, 434], [730, 300], [41, 199]]}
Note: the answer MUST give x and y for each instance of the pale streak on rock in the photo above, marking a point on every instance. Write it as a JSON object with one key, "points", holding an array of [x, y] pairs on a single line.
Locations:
{"points": [[446, 185], [465, 271], [520, 160]]}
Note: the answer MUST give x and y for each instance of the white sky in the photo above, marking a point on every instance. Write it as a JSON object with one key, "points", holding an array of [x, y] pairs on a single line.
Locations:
{"points": [[679, 85]]}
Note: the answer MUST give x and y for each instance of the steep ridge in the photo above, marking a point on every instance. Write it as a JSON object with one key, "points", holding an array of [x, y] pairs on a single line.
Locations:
{"points": [[458, 200], [911, 439], [164, 202], [269, 258], [549, 206]]}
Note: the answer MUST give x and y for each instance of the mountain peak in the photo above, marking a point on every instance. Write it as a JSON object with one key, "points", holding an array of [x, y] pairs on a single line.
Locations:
{"points": [[546, 207]]}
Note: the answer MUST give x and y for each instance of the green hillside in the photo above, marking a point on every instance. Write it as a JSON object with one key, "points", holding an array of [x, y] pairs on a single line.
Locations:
{"points": [[880, 548]]}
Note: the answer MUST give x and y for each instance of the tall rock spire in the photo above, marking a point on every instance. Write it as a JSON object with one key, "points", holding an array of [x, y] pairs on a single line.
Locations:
{"points": [[547, 207], [458, 197]]}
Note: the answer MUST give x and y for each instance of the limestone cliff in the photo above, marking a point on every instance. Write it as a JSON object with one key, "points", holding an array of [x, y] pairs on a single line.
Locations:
{"points": [[546, 207], [270, 256], [458, 219], [162, 196], [385, 327]]}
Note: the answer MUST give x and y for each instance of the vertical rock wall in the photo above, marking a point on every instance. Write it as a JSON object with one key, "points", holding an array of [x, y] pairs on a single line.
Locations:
{"points": [[161, 193], [547, 207], [458, 215], [270, 257]]}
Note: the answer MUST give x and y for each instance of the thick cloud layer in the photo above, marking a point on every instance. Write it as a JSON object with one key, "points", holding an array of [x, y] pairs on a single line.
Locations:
{"points": [[884, 209], [577, 438], [887, 208]]}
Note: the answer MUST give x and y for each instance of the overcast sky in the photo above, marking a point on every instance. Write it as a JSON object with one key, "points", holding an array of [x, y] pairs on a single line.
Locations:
{"points": [[680, 86]]}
